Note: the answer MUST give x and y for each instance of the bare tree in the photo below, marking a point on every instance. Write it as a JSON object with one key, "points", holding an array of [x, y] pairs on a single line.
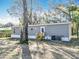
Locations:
{"points": [[19, 9], [25, 22]]}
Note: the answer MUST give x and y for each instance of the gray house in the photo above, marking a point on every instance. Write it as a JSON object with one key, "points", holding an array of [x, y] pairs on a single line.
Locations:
{"points": [[51, 31]]}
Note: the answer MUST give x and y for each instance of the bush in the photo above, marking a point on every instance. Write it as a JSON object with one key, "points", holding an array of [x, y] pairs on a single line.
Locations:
{"points": [[40, 36], [23, 41], [5, 33]]}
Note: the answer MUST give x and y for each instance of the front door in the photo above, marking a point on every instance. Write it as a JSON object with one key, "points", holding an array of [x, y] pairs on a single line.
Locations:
{"points": [[42, 29]]}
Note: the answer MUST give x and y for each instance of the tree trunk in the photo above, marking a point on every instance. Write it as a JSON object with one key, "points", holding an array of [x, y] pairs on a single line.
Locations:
{"points": [[77, 30], [25, 23]]}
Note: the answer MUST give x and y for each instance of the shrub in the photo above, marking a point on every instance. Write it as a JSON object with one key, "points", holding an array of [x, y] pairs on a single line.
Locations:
{"points": [[23, 41], [5, 33], [40, 36]]}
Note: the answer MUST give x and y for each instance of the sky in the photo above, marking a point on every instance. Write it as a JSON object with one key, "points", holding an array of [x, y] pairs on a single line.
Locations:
{"points": [[6, 4], [4, 16]]}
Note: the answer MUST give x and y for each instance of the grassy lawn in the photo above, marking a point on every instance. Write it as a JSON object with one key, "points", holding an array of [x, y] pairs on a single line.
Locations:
{"points": [[73, 43], [54, 49], [9, 49]]}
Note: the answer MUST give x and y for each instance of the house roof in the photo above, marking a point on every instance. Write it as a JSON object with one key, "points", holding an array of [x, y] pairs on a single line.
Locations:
{"points": [[51, 24], [47, 24]]}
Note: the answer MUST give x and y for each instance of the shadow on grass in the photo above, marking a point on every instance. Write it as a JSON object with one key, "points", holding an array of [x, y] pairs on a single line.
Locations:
{"points": [[59, 52], [55, 50], [6, 51], [71, 43], [41, 52]]}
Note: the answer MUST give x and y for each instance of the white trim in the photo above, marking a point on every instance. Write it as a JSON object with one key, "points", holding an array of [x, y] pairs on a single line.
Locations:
{"points": [[65, 39], [34, 37], [15, 36]]}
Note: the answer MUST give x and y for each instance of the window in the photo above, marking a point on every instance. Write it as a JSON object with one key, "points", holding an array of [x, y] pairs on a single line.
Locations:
{"points": [[31, 28], [14, 30]]}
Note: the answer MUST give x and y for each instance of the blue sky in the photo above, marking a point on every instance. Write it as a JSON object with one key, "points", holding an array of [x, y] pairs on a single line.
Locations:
{"points": [[5, 4], [4, 16]]}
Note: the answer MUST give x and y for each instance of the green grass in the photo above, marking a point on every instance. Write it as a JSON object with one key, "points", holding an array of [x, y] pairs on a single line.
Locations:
{"points": [[5, 33]]}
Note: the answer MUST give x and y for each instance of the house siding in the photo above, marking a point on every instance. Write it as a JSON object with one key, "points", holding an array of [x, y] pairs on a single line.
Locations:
{"points": [[61, 29], [32, 30], [16, 30]]}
